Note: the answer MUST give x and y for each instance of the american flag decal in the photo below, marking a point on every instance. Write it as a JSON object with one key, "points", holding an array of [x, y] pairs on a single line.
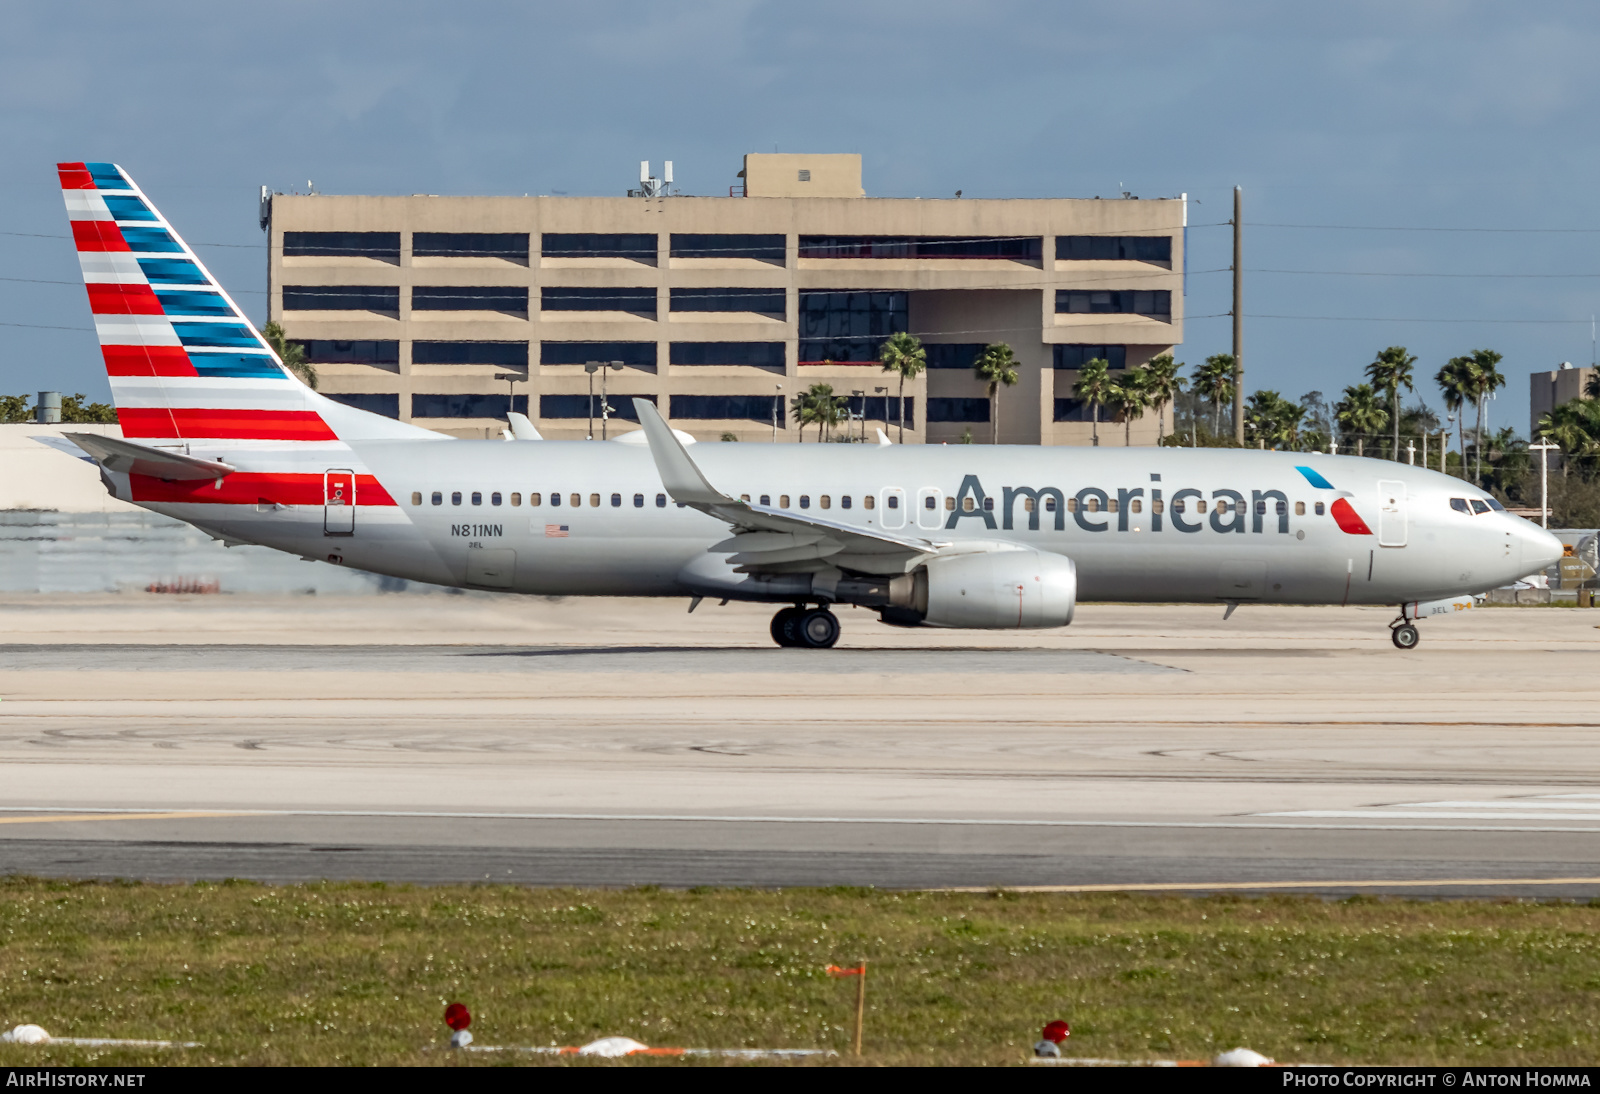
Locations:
{"points": [[555, 531]]}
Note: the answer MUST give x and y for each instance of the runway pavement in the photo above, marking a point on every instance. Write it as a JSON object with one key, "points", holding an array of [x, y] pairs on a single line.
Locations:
{"points": [[460, 738]]}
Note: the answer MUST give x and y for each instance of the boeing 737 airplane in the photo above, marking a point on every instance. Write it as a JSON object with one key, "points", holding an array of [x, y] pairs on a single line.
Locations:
{"points": [[217, 433]]}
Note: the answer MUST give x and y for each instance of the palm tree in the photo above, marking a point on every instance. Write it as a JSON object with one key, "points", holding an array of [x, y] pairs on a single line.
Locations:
{"points": [[1095, 386], [1361, 413], [903, 353], [1574, 426], [817, 406], [1273, 420], [1389, 372], [292, 354], [1591, 386], [996, 365], [1455, 382], [1163, 383], [1214, 379], [1131, 395], [1486, 380]]}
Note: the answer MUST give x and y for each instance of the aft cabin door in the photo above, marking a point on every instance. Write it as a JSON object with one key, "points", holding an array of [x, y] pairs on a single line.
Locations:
{"points": [[339, 502], [1391, 514]]}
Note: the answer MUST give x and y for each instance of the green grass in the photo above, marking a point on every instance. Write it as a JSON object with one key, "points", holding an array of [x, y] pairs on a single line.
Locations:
{"points": [[360, 974]]}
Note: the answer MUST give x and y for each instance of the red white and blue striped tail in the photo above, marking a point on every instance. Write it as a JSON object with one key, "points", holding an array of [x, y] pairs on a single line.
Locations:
{"points": [[185, 364]]}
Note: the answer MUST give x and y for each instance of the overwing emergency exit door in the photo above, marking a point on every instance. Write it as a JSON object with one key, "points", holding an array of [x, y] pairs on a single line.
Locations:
{"points": [[339, 502], [1391, 513]]}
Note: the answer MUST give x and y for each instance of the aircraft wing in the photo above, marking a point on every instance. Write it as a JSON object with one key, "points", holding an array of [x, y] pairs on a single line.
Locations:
{"points": [[776, 541], [116, 454]]}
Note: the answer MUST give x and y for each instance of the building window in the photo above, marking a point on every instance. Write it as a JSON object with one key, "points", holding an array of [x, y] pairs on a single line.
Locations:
{"points": [[1017, 248], [581, 406], [767, 355], [386, 403], [325, 351], [384, 299], [383, 246], [803, 175], [1157, 249], [510, 299], [465, 405], [511, 246], [849, 326], [962, 355], [639, 248], [635, 301], [764, 248], [958, 410], [635, 354], [507, 354], [755, 408], [1074, 410], [768, 302], [1074, 355], [880, 408], [1152, 303]]}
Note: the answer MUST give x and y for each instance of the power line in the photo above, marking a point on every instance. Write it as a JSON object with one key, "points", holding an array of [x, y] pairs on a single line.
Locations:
{"points": [[1385, 273], [1383, 228]]}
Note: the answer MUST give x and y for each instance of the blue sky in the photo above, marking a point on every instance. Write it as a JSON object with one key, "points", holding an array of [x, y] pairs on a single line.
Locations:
{"points": [[1420, 119]]}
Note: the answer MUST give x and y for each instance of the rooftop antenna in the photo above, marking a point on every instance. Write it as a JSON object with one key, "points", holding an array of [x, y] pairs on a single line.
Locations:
{"points": [[1592, 360], [666, 173]]}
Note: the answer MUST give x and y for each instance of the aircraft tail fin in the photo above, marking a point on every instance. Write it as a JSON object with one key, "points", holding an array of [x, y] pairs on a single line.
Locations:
{"points": [[185, 363]]}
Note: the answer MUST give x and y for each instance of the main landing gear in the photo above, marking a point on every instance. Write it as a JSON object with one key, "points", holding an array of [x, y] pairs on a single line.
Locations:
{"points": [[1403, 633], [812, 628]]}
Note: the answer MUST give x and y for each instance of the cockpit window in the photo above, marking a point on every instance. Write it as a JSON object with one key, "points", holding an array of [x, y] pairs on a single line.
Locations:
{"points": [[1460, 505], [1496, 506], [1479, 506]]}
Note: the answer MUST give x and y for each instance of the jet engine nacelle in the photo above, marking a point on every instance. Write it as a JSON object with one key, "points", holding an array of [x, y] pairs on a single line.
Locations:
{"points": [[1001, 589], [984, 591]]}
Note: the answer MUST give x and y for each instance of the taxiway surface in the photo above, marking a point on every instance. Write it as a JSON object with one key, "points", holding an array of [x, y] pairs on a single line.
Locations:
{"points": [[458, 738]]}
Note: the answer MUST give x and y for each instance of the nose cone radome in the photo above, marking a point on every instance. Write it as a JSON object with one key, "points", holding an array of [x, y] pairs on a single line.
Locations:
{"points": [[1540, 549]]}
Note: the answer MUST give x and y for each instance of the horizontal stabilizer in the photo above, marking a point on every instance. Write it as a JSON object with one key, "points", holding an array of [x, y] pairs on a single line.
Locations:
{"points": [[115, 454]]}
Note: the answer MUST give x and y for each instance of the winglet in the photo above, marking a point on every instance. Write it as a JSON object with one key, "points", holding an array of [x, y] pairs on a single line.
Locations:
{"points": [[679, 474], [521, 428], [883, 439]]}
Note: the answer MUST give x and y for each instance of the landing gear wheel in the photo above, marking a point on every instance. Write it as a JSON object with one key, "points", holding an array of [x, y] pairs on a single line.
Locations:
{"points": [[818, 629], [1405, 637], [784, 627]]}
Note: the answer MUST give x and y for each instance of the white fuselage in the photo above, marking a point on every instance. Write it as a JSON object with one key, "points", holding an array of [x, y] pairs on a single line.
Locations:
{"points": [[610, 535]]}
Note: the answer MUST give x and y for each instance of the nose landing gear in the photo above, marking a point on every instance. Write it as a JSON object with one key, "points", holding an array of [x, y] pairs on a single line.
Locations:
{"points": [[811, 628], [1403, 633]]}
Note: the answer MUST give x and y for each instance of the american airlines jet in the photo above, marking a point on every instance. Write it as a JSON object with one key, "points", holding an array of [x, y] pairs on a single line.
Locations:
{"points": [[217, 433]]}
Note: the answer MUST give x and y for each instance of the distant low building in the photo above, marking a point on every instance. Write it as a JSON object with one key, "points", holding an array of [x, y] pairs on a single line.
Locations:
{"points": [[1548, 390], [721, 309]]}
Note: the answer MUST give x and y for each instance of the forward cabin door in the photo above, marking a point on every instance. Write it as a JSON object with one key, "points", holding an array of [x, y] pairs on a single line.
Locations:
{"points": [[1391, 513], [339, 502], [892, 508]]}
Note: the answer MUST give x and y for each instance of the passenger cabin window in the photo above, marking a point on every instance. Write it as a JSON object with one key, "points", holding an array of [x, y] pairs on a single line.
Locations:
{"points": [[949, 504], [1200, 506], [1049, 504], [766, 499], [988, 505], [1091, 504], [1135, 506], [967, 505], [1479, 506], [438, 498], [894, 501], [555, 499], [824, 502], [455, 497], [494, 498], [477, 498], [638, 501], [1112, 506], [1158, 506], [1299, 508], [1222, 506], [516, 499], [1027, 505], [661, 501], [1178, 506], [616, 501], [594, 501], [805, 501], [535, 500], [744, 497], [844, 502], [1283, 508], [576, 501], [1319, 509], [783, 501], [416, 497]]}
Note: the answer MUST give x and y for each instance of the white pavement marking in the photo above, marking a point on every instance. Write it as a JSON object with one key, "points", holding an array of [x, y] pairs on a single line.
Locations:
{"points": [[1552, 807], [713, 818]]}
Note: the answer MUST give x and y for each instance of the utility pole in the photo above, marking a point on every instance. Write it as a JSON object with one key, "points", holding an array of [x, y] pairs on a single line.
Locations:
{"points": [[1544, 449], [1238, 315]]}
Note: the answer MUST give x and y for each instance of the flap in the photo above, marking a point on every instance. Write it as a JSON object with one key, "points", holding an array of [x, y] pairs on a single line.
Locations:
{"points": [[116, 454]]}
